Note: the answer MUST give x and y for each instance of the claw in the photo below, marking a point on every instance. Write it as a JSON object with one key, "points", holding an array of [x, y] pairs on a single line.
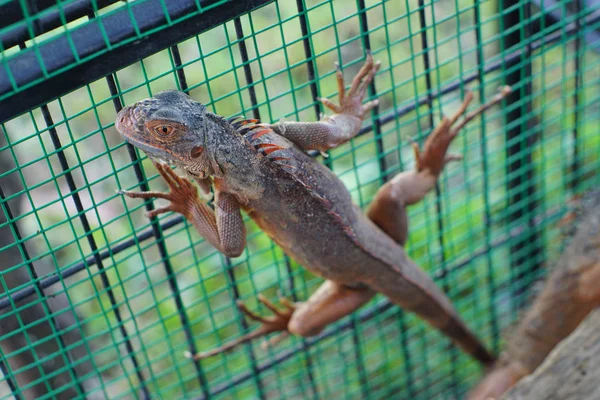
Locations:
{"points": [[270, 306], [144, 195], [340, 80], [368, 79], [452, 157], [274, 340], [250, 314], [350, 102], [495, 100], [331, 105], [287, 303], [363, 73], [161, 210], [370, 105]]}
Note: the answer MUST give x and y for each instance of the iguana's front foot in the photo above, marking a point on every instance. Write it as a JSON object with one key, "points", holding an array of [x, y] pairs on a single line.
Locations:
{"points": [[222, 227], [342, 126], [351, 102], [183, 195], [278, 322]]}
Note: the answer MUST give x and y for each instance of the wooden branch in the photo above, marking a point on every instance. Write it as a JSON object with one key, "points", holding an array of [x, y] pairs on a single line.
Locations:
{"points": [[570, 372]]}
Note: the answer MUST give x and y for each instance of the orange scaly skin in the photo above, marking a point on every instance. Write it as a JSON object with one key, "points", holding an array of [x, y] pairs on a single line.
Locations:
{"points": [[570, 294], [304, 207]]}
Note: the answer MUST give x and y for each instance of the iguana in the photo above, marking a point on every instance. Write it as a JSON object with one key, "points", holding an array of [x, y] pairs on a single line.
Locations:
{"points": [[571, 292], [304, 207]]}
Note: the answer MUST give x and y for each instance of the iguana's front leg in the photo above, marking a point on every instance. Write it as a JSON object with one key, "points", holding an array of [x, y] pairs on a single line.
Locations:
{"points": [[335, 129], [223, 227]]}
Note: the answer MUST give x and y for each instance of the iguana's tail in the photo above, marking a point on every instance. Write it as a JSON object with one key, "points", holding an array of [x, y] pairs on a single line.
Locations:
{"points": [[413, 290]]}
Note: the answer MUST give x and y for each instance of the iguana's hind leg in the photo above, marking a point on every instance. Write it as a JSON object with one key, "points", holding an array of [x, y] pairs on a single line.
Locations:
{"points": [[328, 304], [388, 208]]}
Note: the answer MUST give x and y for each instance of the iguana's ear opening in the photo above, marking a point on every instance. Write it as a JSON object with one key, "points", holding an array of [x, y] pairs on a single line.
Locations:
{"points": [[197, 151]]}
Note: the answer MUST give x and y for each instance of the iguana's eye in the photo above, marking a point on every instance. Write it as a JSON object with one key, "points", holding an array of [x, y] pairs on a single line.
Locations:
{"points": [[161, 129], [164, 130]]}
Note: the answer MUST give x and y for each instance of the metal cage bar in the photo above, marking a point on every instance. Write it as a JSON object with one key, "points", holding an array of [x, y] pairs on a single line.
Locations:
{"points": [[520, 173], [438, 198], [10, 380]]}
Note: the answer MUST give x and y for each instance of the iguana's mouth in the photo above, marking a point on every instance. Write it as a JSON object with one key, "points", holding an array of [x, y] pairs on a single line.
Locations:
{"points": [[123, 123], [129, 126]]}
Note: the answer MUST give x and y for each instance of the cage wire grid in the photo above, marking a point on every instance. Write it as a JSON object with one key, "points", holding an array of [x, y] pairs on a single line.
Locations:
{"points": [[98, 302]]}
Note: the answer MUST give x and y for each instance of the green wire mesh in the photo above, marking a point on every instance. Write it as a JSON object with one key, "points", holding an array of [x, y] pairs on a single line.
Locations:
{"points": [[137, 294]]}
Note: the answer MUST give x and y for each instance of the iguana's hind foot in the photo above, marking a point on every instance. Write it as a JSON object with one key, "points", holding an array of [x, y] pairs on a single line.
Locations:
{"points": [[434, 155], [278, 322], [330, 302], [388, 207]]}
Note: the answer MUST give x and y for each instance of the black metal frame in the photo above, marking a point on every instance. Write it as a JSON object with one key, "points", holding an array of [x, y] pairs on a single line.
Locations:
{"points": [[89, 40], [168, 39]]}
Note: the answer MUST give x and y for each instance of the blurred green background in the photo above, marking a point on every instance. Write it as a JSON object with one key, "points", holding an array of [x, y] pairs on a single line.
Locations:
{"points": [[385, 354]]}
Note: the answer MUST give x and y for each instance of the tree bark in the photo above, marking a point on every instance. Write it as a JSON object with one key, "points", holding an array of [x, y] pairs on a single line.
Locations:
{"points": [[570, 372]]}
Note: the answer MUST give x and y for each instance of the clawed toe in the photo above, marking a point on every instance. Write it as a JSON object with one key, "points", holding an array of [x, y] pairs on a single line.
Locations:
{"points": [[161, 210], [276, 322], [182, 195], [143, 195]]}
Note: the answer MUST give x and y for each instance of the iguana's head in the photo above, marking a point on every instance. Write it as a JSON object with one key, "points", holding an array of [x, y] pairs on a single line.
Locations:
{"points": [[173, 128]]}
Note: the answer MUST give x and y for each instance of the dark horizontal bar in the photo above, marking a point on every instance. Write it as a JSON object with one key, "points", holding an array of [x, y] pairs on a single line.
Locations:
{"points": [[45, 23], [12, 11], [89, 39], [398, 112]]}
